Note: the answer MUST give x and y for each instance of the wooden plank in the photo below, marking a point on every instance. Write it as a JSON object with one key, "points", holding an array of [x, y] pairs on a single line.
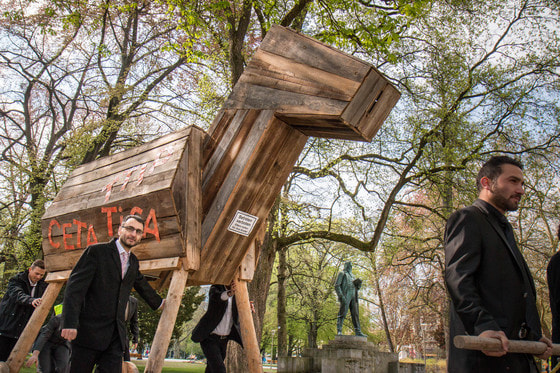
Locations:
{"points": [[62, 261], [260, 203], [230, 132], [248, 96], [78, 229], [247, 328], [163, 281], [157, 265], [249, 263], [97, 199], [216, 131], [263, 174], [276, 71], [123, 178], [129, 367], [157, 204], [167, 322], [187, 194], [370, 89], [138, 150], [471, 342], [117, 177], [229, 182], [169, 153], [59, 276], [322, 126], [164, 264], [375, 94], [373, 119], [303, 49], [222, 162], [169, 246], [27, 337]]}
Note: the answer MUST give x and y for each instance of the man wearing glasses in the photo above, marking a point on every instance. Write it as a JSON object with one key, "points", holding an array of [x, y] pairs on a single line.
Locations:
{"points": [[96, 296]]}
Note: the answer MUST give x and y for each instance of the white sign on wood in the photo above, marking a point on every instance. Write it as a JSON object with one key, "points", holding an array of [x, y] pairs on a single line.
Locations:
{"points": [[242, 223]]}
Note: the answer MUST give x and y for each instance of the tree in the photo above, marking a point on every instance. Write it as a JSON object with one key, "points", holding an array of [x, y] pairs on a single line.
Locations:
{"points": [[148, 320], [467, 93], [82, 80]]}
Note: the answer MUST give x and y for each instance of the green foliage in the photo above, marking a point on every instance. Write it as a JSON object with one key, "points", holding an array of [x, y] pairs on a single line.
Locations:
{"points": [[148, 319]]}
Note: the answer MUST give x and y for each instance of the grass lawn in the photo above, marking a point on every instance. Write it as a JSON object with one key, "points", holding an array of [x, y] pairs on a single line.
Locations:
{"points": [[182, 367], [170, 367], [173, 366]]}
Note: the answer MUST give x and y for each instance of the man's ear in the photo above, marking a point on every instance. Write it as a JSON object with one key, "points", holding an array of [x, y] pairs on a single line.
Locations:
{"points": [[486, 183]]}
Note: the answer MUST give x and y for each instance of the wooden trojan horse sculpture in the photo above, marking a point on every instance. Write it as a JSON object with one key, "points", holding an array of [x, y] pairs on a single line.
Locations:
{"points": [[206, 196]]}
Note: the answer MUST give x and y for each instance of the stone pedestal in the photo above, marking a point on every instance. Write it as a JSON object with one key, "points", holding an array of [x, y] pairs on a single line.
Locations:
{"points": [[346, 354]]}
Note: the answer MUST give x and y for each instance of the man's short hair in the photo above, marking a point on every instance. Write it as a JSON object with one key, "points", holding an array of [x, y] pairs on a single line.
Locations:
{"points": [[138, 218], [38, 263], [493, 168]]}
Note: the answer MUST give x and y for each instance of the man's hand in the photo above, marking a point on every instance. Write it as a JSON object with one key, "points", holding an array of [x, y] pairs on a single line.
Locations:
{"points": [[33, 359], [231, 290], [69, 334], [548, 352], [498, 335], [36, 302], [252, 305]]}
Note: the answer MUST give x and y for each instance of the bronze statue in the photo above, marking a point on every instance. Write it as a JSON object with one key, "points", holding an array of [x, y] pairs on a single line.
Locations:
{"points": [[346, 287]]}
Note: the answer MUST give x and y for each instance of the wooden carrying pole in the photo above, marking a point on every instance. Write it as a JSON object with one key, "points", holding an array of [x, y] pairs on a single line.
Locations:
{"points": [[167, 321], [492, 344], [26, 339], [248, 334]]}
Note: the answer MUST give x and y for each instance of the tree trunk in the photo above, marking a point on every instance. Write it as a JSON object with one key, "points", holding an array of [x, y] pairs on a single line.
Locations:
{"points": [[383, 313], [312, 335], [281, 306], [290, 350]]}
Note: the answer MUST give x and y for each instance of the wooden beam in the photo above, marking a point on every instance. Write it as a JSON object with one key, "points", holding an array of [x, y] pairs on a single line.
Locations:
{"points": [[164, 264], [248, 334], [58, 276], [469, 342], [127, 367], [167, 321], [27, 337]]}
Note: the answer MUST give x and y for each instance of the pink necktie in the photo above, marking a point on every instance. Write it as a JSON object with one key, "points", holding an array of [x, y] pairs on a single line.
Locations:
{"points": [[124, 260]]}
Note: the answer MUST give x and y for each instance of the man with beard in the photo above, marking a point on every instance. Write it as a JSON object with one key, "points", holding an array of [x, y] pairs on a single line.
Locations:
{"points": [[96, 296], [490, 285]]}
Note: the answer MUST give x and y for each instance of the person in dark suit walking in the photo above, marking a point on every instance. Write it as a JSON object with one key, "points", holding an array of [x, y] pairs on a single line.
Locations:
{"points": [[96, 296], [131, 318], [553, 280], [490, 285], [50, 351], [20, 300], [217, 326]]}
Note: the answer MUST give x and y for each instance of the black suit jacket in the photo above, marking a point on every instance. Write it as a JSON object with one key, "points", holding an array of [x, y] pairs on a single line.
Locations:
{"points": [[216, 310], [485, 281], [96, 296], [553, 279], [16, 306]]}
